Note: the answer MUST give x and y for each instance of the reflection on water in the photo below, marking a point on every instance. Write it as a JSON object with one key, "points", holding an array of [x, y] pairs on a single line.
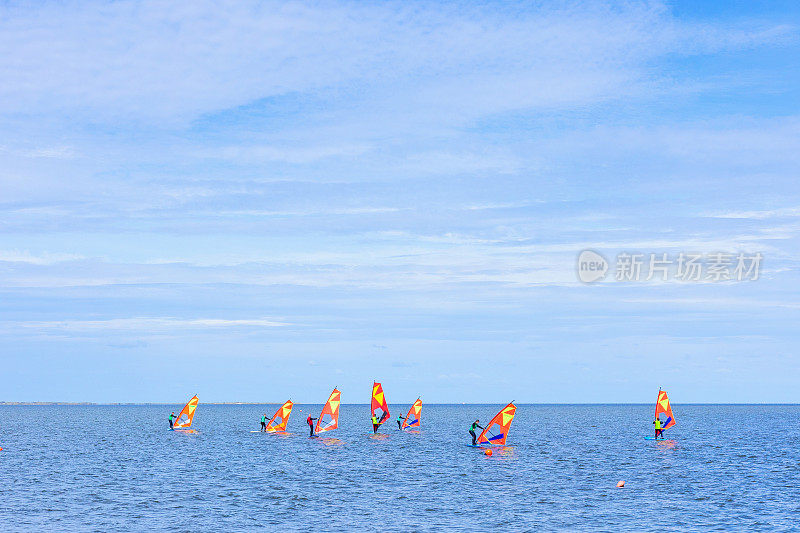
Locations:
{"points": [[505, 453], [667, 443]]}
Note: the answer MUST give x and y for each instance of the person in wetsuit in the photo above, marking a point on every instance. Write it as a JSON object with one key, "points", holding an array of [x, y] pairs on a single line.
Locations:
{"points": [[264, 422], [171, 419], [310, 422], [659, 430], [376, 423], [472, 427], [400, 420]]}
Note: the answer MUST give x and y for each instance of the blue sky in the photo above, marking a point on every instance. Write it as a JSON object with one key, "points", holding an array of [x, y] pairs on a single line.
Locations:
{"points": [[255, 201]]}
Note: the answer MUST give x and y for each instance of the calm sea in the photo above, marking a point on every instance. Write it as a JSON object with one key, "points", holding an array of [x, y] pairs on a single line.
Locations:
{"points": [[117, 468]]}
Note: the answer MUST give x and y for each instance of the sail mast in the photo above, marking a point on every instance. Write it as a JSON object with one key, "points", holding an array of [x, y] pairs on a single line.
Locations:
{"points": [[185, 417], [281, 414], [503, 419], [414, 416], [331, 409], [378, 401], [663, 406]]}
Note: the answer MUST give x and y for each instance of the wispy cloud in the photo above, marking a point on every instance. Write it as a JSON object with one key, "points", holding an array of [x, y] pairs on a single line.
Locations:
{"points": [[296, 153], [45, 258], [144, 324], [535, 56], [717, 302], [783, 212], [52, 152], [334, 211], [418, 176]]}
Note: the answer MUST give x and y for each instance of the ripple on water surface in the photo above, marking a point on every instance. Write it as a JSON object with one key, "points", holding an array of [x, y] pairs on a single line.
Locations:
{"points": [[118, 468]]}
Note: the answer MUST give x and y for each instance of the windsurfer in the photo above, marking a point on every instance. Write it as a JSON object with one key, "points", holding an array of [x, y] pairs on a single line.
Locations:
{"points": [[310, 422], [376, 423], [264, 422], [657, 424], [400, 421], [171, 419], [472, 427]]}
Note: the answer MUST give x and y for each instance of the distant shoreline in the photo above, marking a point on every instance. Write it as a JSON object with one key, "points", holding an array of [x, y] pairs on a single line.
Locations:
{"points": [[134, 403], [2, 404]]}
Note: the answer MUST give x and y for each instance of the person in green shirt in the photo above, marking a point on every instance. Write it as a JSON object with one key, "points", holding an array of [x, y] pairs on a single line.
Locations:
{"points": [[264, 422], [472, 428], [400, 420], [171, 419], [659, 431], [375, 423]]}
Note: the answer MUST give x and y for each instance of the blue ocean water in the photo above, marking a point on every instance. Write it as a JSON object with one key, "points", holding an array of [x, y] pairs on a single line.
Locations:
{"points": [[104, 468]]}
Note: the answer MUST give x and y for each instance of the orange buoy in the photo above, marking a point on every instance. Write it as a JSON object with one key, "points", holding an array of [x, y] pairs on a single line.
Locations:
{"points": [[620, 483], [487, 453]]}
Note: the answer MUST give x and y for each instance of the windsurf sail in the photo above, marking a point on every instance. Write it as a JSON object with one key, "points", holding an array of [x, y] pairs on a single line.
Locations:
{"points": [[379, 403], [414, 416], [663, 406], [281, 417], [329, 418], [186, 415], [497, 429]]}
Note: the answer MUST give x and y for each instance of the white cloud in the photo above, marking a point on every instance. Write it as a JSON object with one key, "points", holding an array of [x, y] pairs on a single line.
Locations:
{"points": [[45, 258], [717, 303], [51, 152], [298, 153], [783, 212], [146, 324], [395, 260], [450, 162], [155, 62], [321, 211]]}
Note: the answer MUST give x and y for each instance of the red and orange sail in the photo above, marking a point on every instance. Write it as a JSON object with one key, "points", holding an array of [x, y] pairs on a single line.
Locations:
{"points": [[663, 406], [497, 429], [379, 402], [414, 416], [281, 417], [186, 415], [329, 418]]}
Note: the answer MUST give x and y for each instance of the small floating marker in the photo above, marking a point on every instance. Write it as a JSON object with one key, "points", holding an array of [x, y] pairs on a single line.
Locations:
{"points": [[620, 483], [488, 453]]}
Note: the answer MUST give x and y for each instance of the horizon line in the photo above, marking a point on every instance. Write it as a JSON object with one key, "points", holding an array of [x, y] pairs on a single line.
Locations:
{"points": [[45, 403]]}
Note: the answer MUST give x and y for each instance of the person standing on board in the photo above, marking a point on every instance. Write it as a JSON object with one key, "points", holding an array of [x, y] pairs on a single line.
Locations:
{"points": [[472, 427], [659, 431], [264, 422], [310, 422], [400, 420], [375, 423], [171, 419]]}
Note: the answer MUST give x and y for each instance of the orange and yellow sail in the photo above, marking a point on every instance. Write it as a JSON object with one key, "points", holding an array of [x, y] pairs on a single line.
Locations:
{"points": [[414, 416], [281, 417], [663, 406], [497, 429], [379, 402], [329, 418], [184, 420]]}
